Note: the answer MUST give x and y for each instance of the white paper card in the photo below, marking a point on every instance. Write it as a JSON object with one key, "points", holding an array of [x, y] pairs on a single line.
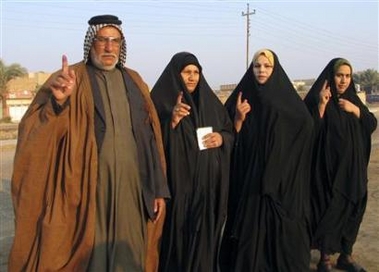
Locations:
{"points": [[201, 132]]}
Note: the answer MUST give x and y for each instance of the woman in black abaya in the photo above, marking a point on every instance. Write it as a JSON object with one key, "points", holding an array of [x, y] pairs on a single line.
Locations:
{"points": [[342, 150], [198, 179], [268, 217]]}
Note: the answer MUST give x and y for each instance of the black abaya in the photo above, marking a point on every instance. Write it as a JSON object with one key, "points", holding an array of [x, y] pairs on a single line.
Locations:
{"points": [[198, 179], [268, 217], [339, 169]]}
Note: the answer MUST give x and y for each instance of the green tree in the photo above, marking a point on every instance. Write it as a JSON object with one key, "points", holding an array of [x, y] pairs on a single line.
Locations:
{"points": [[7, 73], [368, 79]]}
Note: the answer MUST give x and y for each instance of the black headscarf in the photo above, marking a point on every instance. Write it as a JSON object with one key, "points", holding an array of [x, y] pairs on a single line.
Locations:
{"points": [[172, 84], [198, 179], [269, 198]]}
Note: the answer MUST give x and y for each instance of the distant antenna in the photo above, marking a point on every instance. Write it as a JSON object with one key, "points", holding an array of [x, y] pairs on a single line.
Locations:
{"points": [[247, 14]]}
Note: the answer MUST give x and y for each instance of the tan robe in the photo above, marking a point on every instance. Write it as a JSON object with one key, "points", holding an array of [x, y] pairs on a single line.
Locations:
{"points": [[54, 183]]}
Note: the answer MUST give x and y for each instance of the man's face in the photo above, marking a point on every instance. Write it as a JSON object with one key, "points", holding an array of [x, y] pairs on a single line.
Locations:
{"points": [[106, 47]]}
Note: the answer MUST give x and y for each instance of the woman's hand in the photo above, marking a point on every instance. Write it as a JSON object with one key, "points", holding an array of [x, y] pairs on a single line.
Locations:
{"points": [[324, 97], [347, 106], [212, 140], [179, 111], [242, 108], [159, 206]]}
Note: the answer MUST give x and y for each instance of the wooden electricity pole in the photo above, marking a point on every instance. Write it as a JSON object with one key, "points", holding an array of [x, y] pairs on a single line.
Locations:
{"points": [[247, 14]]}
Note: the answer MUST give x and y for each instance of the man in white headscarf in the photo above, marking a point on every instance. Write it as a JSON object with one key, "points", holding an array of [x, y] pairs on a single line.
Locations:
{"points": [[89, 183]]}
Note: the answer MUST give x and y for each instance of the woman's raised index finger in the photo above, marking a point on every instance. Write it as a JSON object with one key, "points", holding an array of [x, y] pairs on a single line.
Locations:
{"points": [[239, 98], [179, 98], [326, 85]]}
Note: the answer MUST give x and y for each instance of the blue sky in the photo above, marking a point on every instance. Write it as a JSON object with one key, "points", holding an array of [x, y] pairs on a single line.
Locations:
{"points": [[304, 34]]}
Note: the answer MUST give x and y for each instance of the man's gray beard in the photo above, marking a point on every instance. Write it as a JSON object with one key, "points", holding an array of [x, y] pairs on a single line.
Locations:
{"points": [[98, 64]]}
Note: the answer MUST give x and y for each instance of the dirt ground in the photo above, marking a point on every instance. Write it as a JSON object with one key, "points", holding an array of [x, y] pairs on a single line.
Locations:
{"points": [[366, 249]]}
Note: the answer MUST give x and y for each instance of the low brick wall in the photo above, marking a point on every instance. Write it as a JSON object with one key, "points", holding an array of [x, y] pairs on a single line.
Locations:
{"points": [[8, 131]]}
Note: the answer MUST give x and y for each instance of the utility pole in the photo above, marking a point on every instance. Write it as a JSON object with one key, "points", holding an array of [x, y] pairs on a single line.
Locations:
{"points": [[247, 14]]}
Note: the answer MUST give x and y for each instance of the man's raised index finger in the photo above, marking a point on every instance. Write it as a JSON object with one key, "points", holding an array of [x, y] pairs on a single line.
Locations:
{"points": [[64, 64]]}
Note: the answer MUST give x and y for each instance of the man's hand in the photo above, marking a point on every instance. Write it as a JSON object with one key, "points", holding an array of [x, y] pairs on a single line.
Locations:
{"points": [[159, 206], [63, 83]]}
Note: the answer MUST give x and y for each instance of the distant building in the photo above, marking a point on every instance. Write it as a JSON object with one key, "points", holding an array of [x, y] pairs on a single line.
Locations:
{"points": [[21, 92], [224, 91]]}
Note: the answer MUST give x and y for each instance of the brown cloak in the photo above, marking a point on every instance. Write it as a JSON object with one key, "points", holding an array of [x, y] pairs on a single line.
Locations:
{"points": [[54, 181]]}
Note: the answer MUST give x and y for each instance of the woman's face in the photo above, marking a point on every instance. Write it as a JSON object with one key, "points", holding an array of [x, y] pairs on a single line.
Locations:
{"points": [[190, 75], [342, 78], [262, 69]]}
